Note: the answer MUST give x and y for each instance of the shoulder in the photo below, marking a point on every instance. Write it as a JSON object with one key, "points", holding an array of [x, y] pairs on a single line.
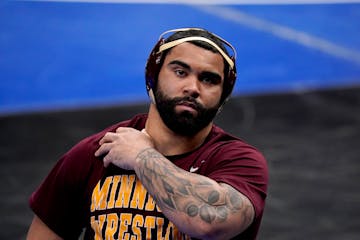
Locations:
{"points": [[221, 142], [226, 154], [90, 143], [81, 156]]}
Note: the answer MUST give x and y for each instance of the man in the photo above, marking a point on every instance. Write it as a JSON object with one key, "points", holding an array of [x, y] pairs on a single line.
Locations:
{"points": [[168, 174]]}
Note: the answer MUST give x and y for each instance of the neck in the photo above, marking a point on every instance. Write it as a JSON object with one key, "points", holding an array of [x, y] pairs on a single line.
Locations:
{"points": [[166, 141]]}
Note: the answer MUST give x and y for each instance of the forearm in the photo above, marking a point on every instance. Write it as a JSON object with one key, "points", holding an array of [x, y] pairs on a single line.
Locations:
{"points": [[38, 230], [197, 205]]}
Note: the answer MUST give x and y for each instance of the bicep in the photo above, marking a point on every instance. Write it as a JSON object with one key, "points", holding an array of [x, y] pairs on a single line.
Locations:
{"points": [[40, 231]]}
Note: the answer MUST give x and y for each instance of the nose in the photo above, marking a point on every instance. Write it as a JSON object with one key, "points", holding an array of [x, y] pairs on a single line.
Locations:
{"points": [[192, 87]]}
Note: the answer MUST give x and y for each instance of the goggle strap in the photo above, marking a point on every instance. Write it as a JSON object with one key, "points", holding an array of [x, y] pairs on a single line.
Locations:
{"points": [[174, 43], [199, 29]]}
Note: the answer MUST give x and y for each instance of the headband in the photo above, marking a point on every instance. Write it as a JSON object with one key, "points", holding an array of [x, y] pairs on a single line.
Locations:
{"points": [[174, 43], [188, 39]]}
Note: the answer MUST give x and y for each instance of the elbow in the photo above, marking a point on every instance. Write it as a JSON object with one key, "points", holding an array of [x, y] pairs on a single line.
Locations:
{"points": [[210, 232], [220, 230]]}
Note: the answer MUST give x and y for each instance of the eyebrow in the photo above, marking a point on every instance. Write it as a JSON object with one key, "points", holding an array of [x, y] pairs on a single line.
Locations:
{"points": [[182, 64]]}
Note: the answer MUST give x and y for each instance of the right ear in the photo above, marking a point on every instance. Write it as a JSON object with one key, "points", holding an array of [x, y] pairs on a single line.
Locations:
{"points": [[152, 67], [152, 97]]}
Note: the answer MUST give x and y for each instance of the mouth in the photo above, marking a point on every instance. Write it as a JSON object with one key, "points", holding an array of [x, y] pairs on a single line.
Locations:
{"points": [[187, 106]]}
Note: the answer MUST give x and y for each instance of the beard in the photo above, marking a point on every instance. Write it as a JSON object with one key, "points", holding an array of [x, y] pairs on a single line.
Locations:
{"points": [[184, 123]]}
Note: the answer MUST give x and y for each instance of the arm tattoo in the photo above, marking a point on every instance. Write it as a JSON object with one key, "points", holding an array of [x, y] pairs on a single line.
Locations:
{"points": [[178, 190]]}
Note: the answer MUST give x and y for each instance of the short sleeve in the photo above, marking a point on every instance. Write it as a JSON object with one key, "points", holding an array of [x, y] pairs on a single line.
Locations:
{"points": [[244, 168], [63, 199], [59, 200]]}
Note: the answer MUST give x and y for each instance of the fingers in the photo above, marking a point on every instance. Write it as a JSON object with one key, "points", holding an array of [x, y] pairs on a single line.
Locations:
{"points": [[122, 146], [108, 137], [107, 140], [107, 153], [105, 143], [124, 129], [103, 149], [106, 160]]}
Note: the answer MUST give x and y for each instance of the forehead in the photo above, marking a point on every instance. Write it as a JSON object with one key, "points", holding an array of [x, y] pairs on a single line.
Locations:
{"points": [[196, 56]]}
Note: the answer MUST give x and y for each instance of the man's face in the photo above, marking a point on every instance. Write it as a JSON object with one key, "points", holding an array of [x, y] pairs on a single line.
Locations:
{"points": [[189, 88]]}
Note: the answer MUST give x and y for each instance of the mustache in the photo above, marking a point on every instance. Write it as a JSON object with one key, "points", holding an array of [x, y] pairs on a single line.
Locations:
{"points": [[188, 100]]}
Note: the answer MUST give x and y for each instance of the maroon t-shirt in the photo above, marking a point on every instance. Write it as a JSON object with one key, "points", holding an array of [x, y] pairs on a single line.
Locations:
{"points": [[81, 196]]}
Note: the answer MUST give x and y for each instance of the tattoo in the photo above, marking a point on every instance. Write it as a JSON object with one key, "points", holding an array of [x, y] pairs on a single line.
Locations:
{"points": [[174, 188], [192, 210], [213, 197], [206, 213]]}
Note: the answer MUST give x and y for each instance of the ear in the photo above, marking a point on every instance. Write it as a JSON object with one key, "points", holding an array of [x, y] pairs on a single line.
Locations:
{"points": [[152, 97], [152, 66]]}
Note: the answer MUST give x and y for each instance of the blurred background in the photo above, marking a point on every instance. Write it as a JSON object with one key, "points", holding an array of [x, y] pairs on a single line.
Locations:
{"points": [[71, 68]]}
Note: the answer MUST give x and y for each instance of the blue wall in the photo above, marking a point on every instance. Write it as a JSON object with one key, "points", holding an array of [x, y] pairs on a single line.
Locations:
{"points": [[57, 55]]}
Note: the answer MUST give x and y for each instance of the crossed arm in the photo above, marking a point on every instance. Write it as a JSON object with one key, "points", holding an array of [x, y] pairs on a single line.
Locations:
{"points": [[197, 205]]}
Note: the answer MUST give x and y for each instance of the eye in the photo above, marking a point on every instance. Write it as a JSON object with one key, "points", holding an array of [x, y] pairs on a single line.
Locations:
{"points": [[180, 72], [210, 78]]}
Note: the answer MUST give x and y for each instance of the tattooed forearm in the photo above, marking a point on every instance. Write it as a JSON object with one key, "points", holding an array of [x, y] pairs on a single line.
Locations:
{"points": [[192, 194]]}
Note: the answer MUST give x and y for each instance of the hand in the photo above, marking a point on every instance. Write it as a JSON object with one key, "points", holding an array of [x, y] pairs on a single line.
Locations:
{"points": [[123, 146]]}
